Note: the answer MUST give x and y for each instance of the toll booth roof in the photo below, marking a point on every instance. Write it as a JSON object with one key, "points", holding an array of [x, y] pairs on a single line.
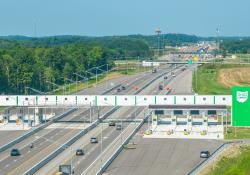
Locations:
{"points": [[197, 107]]}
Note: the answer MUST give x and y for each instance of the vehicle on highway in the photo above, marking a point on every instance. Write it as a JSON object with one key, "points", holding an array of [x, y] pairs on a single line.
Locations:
{"points": [[118, 126], [15, 152], [148, 132], [204, 154], [183, 69], [93, 140], [31, 145], [154, 70], [165, 77], [123, 88], [173, 74], [79, 152], [118, 90], [160, 87], [111, 123]]}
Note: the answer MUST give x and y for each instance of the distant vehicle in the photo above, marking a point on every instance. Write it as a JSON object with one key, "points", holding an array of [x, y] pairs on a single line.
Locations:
{"points": [[160, 87], [31, 145], [15, 152], [123, 88], [93, 140], [118, 90], [118, 126], [183, 69], [165, 77], [173, 74], [111, 123], [204, 154], [79, 152], [154, 70]]}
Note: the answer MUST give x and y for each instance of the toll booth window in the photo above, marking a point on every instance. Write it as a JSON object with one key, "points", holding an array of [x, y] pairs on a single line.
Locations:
{"points": [[7, 99], [178, 112], [86, 98], [66, 99], [26, 99], [47, 99], [194, 112], [211, 112], [159, 112], [125, 99], [105, 99]]}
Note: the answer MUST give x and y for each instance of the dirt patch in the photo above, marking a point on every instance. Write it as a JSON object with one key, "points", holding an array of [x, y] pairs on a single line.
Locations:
{"points": [[234, 77]]}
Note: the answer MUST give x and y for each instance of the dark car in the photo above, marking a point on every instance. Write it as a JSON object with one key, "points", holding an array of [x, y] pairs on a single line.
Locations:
{"points": [[111, 123], [79, 152], [165, 77], [204, 154], [93, 140], [118, 127], [15, 152], [118, 90], [160, 87], [123, 88]]}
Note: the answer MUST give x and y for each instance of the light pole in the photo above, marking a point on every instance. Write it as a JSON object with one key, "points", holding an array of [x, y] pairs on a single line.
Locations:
{"points": [[54, 84], [158, 32], [84, 78]]}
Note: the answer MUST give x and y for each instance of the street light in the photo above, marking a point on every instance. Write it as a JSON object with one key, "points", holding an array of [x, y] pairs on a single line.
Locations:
{"points": [[35, 90], [84, 78], [54, 84]]}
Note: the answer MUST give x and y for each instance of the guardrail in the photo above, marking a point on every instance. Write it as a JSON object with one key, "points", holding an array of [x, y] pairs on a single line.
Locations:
{"points": [[80, 134], [120, 148], [204, 163]]}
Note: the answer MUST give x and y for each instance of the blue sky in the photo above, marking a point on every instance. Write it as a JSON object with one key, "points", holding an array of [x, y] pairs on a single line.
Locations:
{"points": [[122, 17]]}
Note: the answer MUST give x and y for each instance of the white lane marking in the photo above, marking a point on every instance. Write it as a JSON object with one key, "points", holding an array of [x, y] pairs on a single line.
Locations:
{"points": [[6, 166]]}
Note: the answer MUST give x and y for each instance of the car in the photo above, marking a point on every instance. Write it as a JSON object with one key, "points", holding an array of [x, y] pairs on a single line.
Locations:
{"points": [[118, 90], [165, 77], [111, 123], [160, 87], [183, 69], [123, 88], [79, 152], [15, 152], [204, 154], [118, 126], [154, 71], [93, 140]]}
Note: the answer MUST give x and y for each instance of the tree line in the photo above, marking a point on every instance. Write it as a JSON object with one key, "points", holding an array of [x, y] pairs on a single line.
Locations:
{"points": [[34, 62]]}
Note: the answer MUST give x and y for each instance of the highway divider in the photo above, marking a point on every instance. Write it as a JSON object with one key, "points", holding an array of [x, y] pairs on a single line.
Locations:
{"points": [[120, 148], [82, 133]]}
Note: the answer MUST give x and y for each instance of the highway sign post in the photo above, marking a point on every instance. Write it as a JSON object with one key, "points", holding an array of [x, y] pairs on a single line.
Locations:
{"points": [[241, 106]]}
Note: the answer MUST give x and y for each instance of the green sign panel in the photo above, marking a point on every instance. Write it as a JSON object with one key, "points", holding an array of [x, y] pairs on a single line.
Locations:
{"points": [[240, 106]]}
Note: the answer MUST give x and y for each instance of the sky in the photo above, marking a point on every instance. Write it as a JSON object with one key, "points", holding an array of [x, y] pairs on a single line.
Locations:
{"points": [[123, 17]]}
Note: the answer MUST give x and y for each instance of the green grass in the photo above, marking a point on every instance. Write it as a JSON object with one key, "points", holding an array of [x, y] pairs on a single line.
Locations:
{"points": [[237, 165], [2, 108], [237, 133], [207, 79]]}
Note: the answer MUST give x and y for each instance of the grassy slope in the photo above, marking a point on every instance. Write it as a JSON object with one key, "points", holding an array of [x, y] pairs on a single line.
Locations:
{"points": [[208, 79], [235, 165]]}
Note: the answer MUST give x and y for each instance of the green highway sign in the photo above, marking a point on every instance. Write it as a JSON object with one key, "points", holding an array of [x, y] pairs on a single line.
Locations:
{"points": [[241, 106]]}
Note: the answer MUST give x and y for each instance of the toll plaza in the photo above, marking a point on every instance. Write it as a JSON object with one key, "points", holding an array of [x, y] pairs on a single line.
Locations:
{"points": [[188, 121]]}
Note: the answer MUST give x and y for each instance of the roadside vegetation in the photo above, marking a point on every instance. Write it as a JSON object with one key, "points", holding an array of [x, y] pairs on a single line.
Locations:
{"points": [[237, 133], [219, 78], [235, 161]]}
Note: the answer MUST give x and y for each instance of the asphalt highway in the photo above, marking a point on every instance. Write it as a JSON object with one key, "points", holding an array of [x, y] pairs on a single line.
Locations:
{"points": [[163, 156], [42, 140], [125, 112]]}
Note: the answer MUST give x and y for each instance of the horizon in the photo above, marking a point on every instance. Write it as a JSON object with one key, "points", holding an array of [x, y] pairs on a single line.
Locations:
{"points": [[119, 18]]}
